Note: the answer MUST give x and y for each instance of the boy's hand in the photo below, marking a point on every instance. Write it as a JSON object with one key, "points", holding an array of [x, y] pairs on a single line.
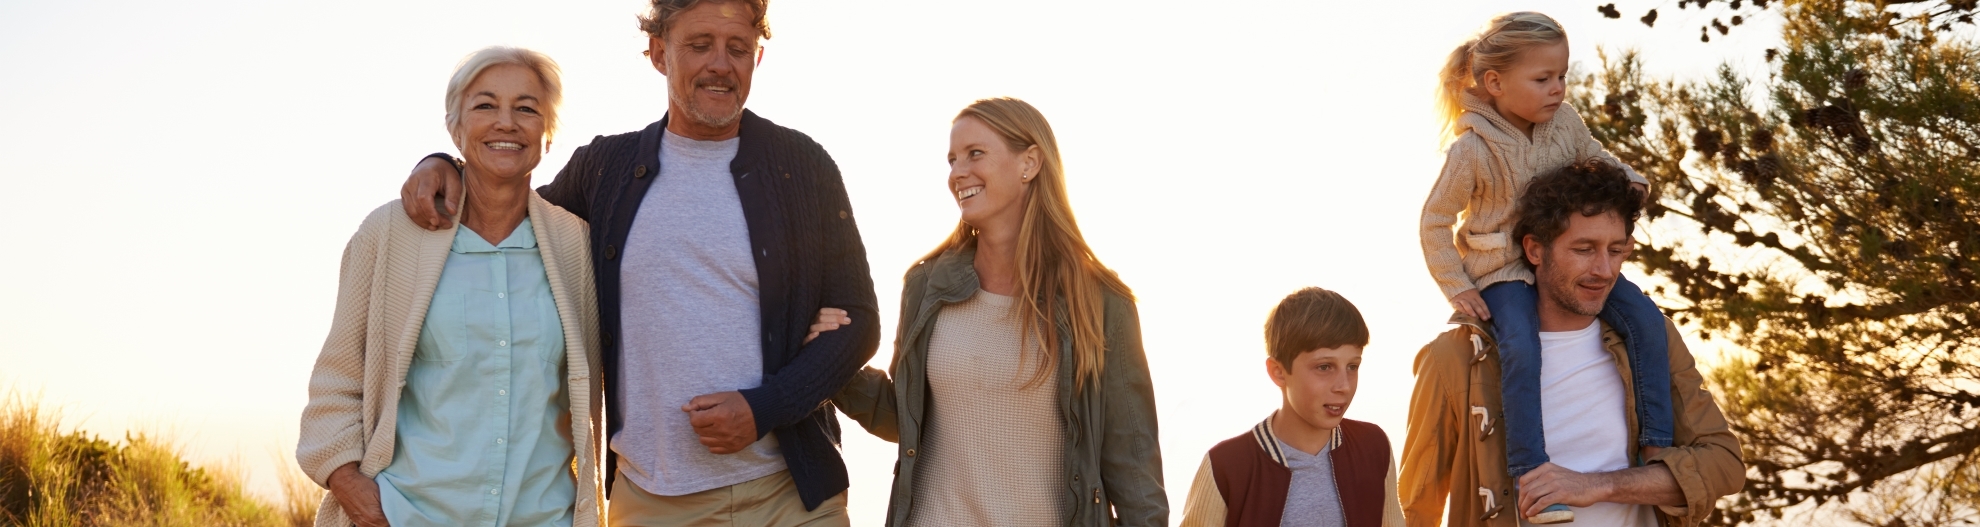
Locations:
{"points": [[1471, 304], [1645, 189], [828, 319]]}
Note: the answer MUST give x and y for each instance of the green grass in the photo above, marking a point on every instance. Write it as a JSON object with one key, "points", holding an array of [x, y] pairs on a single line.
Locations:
{"points": [[52, 478]]}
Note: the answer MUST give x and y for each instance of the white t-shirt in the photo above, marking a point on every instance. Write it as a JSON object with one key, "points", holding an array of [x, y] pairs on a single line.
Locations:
{"points": [[1582, 405]]}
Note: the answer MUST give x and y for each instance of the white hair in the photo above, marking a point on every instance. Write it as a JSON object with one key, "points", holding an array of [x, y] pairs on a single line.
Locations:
{"points": [[546, 71]]}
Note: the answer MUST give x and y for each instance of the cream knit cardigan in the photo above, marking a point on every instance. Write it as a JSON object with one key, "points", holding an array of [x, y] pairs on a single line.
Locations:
{"points": [[390, 270], [1485, 170]]}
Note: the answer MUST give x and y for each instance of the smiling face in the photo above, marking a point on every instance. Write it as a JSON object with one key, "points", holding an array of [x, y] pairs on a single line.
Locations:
{"points": [[1532, 89], [708, 56], [501, 131], [1579, 269], [1320, 384], [988, 178]]}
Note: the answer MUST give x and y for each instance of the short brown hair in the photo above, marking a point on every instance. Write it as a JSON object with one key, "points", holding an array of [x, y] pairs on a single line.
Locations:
{"points": [[1311, 319], [1589, 188], [660, 16]]}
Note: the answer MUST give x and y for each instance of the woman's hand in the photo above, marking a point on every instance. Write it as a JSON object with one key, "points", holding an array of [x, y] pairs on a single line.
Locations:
{"points": [[1471, 304], [358, 495], [828, 319]]}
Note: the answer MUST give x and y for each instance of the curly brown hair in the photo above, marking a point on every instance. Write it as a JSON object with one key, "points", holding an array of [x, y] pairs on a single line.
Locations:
{"points": [[660, 16], [1590, 187]]}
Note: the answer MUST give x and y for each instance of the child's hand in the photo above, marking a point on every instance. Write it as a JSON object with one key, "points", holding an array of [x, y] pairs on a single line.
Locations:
{"points": [[1471, 304], [828, 319], [1645, 189]]}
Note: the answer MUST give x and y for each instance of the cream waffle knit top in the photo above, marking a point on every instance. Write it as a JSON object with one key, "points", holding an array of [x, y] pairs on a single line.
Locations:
{"points": [[1467, 222], [995, 448]]}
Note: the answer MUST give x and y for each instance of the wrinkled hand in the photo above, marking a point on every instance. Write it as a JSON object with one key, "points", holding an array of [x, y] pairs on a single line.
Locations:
{"points": [[828, 319], [358, 495], [1549, 484], [432, 183], [1471, 303], [723, 420]]}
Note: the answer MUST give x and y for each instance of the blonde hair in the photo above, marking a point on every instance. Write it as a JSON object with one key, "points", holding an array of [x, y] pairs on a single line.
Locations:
{"points": [[1496, 47], [546, 71], [1058, 277]]}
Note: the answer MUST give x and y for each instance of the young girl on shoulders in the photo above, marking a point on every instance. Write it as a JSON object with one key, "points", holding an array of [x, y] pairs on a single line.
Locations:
{"points": [[1501, 101]]}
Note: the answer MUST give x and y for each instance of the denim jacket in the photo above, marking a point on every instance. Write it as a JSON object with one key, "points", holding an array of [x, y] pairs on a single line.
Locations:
{"points": [[1113, 473]]}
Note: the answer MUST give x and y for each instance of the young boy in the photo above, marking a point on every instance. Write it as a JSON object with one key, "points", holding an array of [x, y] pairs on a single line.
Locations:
{"points": [[1306, 465]]}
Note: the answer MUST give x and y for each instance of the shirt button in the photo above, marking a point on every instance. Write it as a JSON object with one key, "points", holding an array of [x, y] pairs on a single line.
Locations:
{"points": [[502, 343], [501, 295], [499, 440], [494, 491], [910, 452], [501, 392]]}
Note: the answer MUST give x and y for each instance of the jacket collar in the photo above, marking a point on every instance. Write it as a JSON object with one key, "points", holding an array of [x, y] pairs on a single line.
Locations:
{"points": [[952, 275], [1270, 441]]}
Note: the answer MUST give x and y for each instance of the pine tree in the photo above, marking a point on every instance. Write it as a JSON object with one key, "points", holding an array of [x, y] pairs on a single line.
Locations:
{"points": [[1823, 222]]}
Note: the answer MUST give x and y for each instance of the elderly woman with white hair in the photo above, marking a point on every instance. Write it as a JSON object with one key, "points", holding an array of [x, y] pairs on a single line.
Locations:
{"points": [[456, 386]]}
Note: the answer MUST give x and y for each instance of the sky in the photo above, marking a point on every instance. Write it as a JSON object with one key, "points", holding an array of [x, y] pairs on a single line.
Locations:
{"points": [[183, 175]]}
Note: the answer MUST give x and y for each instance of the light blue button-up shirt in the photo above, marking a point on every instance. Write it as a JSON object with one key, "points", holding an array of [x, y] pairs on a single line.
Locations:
{"points": [[484, 421]]}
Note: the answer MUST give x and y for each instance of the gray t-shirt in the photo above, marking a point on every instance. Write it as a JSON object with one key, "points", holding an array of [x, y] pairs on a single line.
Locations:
{"points": [[691, 323], [1312, 500]]}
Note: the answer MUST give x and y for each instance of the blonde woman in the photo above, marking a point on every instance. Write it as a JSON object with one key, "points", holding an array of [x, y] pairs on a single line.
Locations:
{"points": [[456, 385], [1018, 393]]}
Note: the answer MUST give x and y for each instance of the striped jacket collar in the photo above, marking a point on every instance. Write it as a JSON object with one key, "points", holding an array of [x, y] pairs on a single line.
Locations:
{"points": [[1269, 441]]}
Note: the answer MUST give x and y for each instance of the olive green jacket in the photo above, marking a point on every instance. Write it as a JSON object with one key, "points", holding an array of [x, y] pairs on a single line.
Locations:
{"points": [[1455, 453], [1113, 473]]}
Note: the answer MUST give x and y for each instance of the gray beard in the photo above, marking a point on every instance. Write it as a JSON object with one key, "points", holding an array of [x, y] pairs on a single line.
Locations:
{"points": [[703, 117]]}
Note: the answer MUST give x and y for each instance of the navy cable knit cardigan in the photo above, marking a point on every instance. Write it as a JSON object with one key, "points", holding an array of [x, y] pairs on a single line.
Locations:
{"points": [[808, 256]]}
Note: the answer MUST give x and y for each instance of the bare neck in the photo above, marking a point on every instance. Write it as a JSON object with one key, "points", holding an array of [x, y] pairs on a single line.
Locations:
{"points": [[996, 260], [495, 205], [1299, 434]]}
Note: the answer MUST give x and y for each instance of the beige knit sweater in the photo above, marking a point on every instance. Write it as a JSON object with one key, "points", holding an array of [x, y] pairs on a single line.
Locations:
{"points": [[994, 452], [1485, 170], [390, 270]]}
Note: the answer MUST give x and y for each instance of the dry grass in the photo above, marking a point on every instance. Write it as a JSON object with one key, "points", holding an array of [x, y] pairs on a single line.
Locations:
{"points": [[51, 478]]}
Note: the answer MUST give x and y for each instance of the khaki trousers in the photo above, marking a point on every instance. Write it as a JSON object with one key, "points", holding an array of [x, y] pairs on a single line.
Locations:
{"points": [[769, 501]]}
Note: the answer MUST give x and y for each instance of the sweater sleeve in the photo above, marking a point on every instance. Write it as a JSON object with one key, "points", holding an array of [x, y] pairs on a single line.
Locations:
{"points": [[1705, 460], [332, 421], [1450, 196], [823, 366], [1206, 507], [571, 189], [1436, 432], [1586, 146]]}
